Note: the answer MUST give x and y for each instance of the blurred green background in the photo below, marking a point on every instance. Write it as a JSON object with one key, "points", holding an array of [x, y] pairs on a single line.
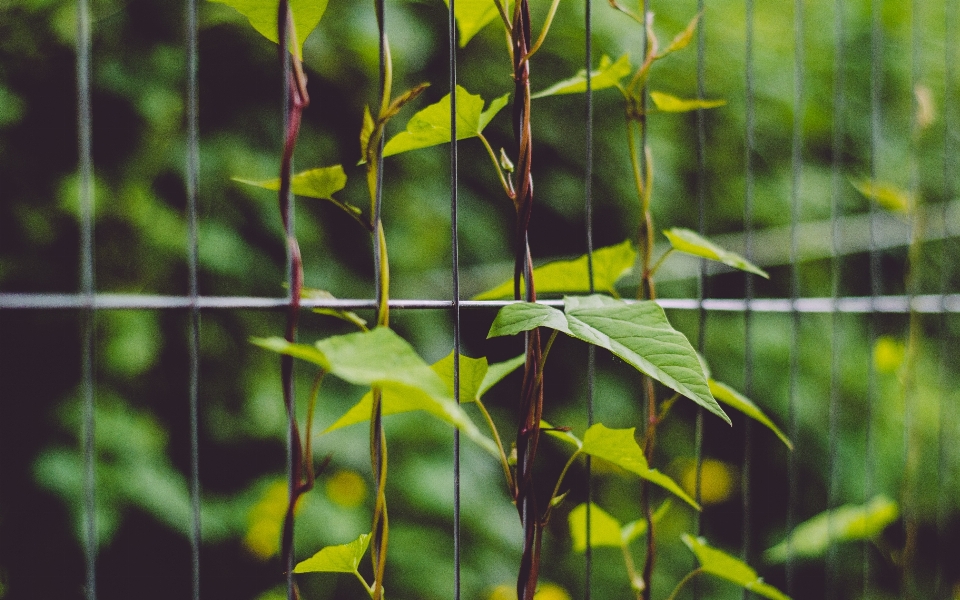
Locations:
{"points": [[142, 415]]}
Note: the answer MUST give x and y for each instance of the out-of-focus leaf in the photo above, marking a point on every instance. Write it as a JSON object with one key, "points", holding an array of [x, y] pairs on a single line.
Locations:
{"points": [[472, 16], [472, 373], [607, 75], [729, 396], [667, 103], [346, 315], [604, 528], [638, 332], [572, 276], [722, 565], [845, 523], [262, 14], [682, 39], [498, 371], [344, 558], [619, 447], [689, 242], [319, 183], [886, 195], [431, 126], [381, 358]]}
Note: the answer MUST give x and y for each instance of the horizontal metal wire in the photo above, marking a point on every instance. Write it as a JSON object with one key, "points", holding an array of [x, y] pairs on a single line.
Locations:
{"points": [[929, 303]]}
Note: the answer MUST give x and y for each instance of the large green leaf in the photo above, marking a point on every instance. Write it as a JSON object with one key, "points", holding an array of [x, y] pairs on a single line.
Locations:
{"points": [[263, 16], [729, 396], [344, 558], [431, 126], [684, 240], [572, 276], [619, 446], [498, 371], [380, 358], [604, 528], [319, 183], [607, 75], [722, 565], [637, 332], [472, 16], [845, 523], [667, 103]]}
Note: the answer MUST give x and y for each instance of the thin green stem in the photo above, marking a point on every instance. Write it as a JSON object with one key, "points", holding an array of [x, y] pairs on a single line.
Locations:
{"points": [[683, 582], [366, 585], [503, 16], [656, 265], [636, 580], [308, 434], [496, 437], [556, 488], [507, 188], [543, 32]]}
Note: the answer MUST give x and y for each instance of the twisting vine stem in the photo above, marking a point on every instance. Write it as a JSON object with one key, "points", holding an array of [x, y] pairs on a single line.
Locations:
{"points": [[301, 472]]}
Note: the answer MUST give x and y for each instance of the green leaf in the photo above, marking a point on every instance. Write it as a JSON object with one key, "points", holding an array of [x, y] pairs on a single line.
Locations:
{"points": [[498, 371], [472, 373], [684, 240], [607, 75], [667, 103], [381, 358], [472, 16], [319, 183], [344, 558], [637, 332], [886, 195], [366, 130], [722, 565], [346, 315], [682, 39], [604, 529], [563, 435], [262, 14], [729, 396], [431, 126], [572, 277], [845, 523], [619, 446]]}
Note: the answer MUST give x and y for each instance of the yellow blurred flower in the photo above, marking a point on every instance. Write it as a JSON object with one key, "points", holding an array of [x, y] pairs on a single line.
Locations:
{"points": [[546, 591], [346, 488], [716, 480], [887, 354], [265, 521]]}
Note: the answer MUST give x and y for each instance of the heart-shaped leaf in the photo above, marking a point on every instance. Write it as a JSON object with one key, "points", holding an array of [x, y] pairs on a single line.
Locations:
{"points": [[344, 558], [431, 126], [604, 528], [720, 564], [573, 277], [689, 242], [607, 75], [262, 14]]}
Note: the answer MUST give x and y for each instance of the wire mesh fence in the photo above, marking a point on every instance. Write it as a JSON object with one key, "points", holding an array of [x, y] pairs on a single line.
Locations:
{"points": [[143, 444]]}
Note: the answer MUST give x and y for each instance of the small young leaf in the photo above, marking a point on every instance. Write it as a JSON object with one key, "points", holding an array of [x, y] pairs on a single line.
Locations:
{"points": [[262, 14], [346, 315], [344, 558], [886, 195], [366, 130], [431, 126], [619, 447], [729, 396], [845, 523], [572, 277], [400, 101], [301, 351], [682, 40], [607, 75], [722, 565], [604, 528], [637, 332], [319, 183], [667, 103], [472, 16], [684, 240]]}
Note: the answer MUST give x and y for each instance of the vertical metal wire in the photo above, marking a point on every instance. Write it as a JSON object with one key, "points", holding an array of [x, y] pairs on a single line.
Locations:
{"points": [[835, 266], [796, 160], [588, 215], [749, 291], [455, 260], [192, 180], [87, 289], [876, 275], [945, 436]]}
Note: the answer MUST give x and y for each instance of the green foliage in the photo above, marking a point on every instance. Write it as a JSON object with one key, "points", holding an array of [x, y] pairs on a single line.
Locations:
{"points": [[668, 103], [263, 16], [607, 75], [431, 126], [639, 333], [689, 242], [846, 523], [472, 16], [605, 529], [720, 564], [886, 195], [734, 399], [344, 558], [572, 276]]}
